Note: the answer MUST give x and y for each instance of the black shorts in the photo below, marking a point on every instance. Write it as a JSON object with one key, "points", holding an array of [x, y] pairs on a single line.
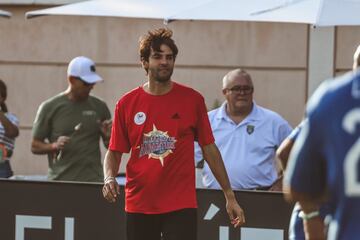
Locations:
{"points": [[177, 225]]}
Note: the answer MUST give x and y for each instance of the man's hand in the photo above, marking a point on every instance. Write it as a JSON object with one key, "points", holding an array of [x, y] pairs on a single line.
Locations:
{"points": [[235, 212], [111, 189], [60, 143]]}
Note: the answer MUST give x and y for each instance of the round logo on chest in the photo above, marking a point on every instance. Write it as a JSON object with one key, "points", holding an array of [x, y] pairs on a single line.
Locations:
{"points": [[139, 118]]}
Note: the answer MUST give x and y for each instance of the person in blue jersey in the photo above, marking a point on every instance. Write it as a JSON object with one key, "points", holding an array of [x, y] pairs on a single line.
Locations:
{"points": [[296, 223], [325, 160], [296, 227], [8, 132]]}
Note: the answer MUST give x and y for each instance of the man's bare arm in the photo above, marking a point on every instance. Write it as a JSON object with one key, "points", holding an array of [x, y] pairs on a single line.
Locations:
{"points": [[283, 152], [314, 228], [41, 147], [213, 157], [111, 167], [105, 130]]}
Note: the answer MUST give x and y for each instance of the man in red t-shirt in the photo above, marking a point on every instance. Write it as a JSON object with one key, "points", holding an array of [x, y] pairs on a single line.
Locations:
{"points": [[158, 123]]}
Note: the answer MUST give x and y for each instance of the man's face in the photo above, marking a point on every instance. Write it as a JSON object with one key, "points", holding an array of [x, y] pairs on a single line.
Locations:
{"points": [[239, 93], [81, 89], [161, 64]]}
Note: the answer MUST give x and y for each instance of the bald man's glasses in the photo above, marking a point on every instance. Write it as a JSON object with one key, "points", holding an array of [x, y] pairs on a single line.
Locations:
{"points": [[245, 90]]}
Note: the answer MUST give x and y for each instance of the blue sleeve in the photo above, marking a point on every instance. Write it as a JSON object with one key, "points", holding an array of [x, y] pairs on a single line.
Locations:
{"points": [[306, 170]]}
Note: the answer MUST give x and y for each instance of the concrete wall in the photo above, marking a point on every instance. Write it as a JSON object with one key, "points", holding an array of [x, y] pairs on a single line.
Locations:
{"points": [[34, 55]]}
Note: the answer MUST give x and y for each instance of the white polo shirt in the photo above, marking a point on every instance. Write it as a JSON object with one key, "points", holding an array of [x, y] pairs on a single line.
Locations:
{"points": [[248, 149]]}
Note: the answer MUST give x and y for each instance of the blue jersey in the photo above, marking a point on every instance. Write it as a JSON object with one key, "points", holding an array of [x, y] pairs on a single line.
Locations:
{"points": [[326, 155], [296, 226]]}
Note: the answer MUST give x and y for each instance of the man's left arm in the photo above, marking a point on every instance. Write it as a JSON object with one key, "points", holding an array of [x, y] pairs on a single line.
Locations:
{"points": [[213, 157], [105, 129], [282, 132], [314, 227], [305, 178], [105, 126]]}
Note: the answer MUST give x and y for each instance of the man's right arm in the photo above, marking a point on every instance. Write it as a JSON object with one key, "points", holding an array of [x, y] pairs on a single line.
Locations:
{"points": [[41, 132], [213, 157], [283, 152], [41, 147], [111, 167], [314, 228]]}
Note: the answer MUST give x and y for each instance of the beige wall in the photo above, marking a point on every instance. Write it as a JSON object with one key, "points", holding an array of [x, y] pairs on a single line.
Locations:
{"points": [[34, 55], [347, 39]]}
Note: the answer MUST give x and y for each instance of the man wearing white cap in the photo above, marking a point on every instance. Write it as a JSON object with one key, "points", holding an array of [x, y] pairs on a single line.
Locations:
{"points": [[69, 125]]}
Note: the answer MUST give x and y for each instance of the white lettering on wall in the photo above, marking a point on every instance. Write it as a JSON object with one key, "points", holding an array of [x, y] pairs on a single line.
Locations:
{"points": [[41, 222]]}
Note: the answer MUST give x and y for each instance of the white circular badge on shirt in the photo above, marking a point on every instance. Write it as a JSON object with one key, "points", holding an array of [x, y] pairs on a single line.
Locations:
{"points": [[140, 118]]}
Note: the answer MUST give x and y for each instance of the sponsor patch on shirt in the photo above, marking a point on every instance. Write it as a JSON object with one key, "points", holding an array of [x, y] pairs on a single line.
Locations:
{"points": [[139, 118], [157, 144], [88, 113]]}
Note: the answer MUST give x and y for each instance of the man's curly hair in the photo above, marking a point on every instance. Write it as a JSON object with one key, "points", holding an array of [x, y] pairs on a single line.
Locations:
{"points": [[153, 40]]}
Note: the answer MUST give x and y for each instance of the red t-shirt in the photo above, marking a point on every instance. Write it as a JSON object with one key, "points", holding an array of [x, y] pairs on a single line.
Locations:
{"points": [[160, 132]]}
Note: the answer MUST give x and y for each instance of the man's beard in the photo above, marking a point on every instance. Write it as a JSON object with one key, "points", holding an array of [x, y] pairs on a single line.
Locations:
{"points": [[164, 77]]}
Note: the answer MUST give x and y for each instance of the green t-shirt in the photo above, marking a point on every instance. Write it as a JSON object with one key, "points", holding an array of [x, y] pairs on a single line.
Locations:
{"points": [[81, 158]]}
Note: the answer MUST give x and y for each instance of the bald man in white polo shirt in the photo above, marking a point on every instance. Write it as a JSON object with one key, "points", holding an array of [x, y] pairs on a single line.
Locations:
{"points": [[247, 136]]}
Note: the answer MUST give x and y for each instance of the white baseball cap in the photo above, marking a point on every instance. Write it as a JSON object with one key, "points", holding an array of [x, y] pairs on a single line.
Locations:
{"points": [[83, 68]]}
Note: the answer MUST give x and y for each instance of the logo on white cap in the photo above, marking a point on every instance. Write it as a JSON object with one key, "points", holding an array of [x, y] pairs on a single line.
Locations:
{"points": [[84, 68]]}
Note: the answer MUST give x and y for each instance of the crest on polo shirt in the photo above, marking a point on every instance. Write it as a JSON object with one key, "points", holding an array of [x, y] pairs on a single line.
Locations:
{"points": [[250, 129], [157, 145]]}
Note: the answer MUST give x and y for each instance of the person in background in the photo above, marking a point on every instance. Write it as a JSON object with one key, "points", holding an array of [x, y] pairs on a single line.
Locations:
{"points": [[9, 130], [296, 226], [158, 122], [323, 165], [69, 125], [247, 136]]}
